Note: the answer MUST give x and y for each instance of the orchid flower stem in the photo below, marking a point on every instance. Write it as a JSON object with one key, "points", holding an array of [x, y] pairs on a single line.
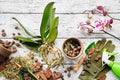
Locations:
{"points": [[111, 35], [107, 33], [87, 12], [113, 18]]}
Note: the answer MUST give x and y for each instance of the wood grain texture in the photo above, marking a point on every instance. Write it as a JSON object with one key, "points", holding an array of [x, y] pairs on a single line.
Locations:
{"points": [[68, 24], [29, 12], [63, 6]]}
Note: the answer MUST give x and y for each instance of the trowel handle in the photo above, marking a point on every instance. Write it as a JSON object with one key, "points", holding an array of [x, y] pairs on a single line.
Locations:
{"points": [[77, 66]]}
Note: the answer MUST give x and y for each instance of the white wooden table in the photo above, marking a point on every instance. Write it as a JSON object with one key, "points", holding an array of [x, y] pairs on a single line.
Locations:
{"points": [[29, 12]]}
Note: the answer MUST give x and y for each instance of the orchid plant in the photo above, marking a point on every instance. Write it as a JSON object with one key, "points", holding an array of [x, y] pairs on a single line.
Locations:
{"points": [[44, 43], [102, 24]]}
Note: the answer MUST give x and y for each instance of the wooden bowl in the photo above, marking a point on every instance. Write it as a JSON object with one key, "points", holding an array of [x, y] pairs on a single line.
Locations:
{"points": [[75, 51]]}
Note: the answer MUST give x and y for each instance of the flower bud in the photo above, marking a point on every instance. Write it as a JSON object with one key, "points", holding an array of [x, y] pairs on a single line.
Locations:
{"points": [[100, 8], [88, 22], [111, 21]]}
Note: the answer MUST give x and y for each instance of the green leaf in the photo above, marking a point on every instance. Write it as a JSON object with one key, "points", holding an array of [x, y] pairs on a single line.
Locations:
{"points": [[50, 27], [28, 33], [46, 20], [24, 39], [52, 15], [32, 45], [54, 30]]}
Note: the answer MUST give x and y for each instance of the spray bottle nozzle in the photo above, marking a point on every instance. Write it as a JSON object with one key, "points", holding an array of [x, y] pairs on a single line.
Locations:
{"points": [[106, 55]]}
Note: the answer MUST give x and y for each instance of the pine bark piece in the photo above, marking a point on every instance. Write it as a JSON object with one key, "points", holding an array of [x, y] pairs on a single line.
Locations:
{"points": [[48, 73], [41, 75], [57, 75], [102, 77]]}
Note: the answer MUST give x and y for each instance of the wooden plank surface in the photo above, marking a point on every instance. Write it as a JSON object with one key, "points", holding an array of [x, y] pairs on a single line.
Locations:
{"points": [[63, 6], [67, 25], [29, 12]]}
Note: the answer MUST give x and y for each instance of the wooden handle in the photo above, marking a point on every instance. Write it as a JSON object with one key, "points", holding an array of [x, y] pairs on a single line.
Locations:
{"points": [[77, 66]]}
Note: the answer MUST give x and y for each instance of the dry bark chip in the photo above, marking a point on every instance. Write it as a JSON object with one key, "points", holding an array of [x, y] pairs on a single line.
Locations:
{"points": [[48, 73], [1, 42], [57, 75], [2, 30], [13, 34], [17, 44], [41, 75], [69, 74], [36, 60], [65, 71], [13, 49], [83, 73], [96, 59], [102, 77], [95, 72], [88, 65], [91, 51], [99, 56], [3, 34], [16, 27], [19, 34]]}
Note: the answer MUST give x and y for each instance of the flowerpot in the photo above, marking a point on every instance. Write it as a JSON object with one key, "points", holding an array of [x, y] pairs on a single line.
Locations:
{"points": [[4, 53], [72, 48]]}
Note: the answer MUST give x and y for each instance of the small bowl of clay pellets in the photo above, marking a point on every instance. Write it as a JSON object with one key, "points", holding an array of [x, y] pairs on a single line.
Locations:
{"points": [[72, 48]]}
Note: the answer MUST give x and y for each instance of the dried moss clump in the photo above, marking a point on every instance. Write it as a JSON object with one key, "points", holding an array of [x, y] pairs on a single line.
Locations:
{"points": [[11, 70]]}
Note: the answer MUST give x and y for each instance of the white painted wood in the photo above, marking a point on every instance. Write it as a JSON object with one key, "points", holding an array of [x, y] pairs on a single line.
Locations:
{"points": [[68, 24], [29, 12], [63, 6]]}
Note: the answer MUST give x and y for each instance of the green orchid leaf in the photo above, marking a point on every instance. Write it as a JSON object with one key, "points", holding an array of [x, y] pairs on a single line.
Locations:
{"points": [[53, 32], [28, 33], [46, 34], [39, 41], [46, 20], [31, 45], [52, 16], [37, 36], [52, 20], [24, 39], [50, 26]]}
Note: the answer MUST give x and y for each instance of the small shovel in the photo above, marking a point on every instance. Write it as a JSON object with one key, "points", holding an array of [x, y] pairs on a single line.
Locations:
{"points": [[79, 63]]}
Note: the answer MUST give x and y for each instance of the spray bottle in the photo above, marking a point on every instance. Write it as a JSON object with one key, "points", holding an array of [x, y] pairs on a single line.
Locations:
{"points": [[115, 66]]}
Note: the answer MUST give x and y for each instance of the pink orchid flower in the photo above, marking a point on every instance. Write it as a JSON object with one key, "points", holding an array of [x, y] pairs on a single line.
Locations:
{"points": [[102, 10], [82, 26], [88, 22], [101, 24], [89, 30]]}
